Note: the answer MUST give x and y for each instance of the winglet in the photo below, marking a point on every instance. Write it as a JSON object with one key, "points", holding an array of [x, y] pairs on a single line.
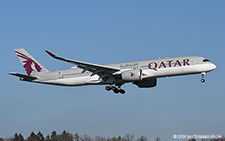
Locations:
{"points": [[51, 54]]}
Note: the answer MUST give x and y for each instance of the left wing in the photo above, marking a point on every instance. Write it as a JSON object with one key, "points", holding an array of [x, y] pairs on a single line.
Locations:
{"points": [[96, 69]]}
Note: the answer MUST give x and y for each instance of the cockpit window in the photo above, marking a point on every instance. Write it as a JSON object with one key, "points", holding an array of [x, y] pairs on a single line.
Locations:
{"points": [[206, 60]]}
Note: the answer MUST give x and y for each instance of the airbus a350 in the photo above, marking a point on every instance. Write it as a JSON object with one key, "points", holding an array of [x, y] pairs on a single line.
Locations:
{"points": [[144, 74]]}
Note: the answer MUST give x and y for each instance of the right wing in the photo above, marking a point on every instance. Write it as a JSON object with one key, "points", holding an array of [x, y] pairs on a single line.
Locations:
{"points": [[94, 68]]}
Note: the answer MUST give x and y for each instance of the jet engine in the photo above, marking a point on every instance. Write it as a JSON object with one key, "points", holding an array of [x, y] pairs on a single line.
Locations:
{"points": [[132, 75], [146, 83]]}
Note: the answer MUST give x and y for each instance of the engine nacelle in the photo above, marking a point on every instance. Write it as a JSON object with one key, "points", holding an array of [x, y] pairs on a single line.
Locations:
{"points": [[132, 75], [146, 83]]}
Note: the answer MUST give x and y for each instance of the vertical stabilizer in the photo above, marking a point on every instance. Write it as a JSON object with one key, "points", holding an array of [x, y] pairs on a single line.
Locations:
{"points": [[31, 65]]}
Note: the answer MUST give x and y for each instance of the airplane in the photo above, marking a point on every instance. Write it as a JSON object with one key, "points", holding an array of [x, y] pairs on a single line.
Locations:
{"points": [[144, 74]]}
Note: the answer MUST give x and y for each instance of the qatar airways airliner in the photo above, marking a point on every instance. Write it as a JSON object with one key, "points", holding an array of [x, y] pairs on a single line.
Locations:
{"points": [[144, 74]]}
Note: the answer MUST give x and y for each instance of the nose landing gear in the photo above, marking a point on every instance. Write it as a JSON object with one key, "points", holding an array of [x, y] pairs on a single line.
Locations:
{"points": [[202, 80], [115, 90], [203, 75]]}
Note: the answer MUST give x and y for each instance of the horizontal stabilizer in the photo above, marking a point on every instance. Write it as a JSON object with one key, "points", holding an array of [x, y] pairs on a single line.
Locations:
{"points": [[23, 77]]}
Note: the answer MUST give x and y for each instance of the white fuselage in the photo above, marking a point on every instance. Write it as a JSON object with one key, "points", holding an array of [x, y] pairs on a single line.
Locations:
{"points": [[150, 69]]}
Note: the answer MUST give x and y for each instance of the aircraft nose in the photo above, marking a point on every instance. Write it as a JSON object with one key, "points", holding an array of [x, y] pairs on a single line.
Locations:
{"points": [[213, 66]]}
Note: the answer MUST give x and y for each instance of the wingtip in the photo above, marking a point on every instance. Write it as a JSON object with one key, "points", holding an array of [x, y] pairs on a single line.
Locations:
{"points": [[51, 54]]}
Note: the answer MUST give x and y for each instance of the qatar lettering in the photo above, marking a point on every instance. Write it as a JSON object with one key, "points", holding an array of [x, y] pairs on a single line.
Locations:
{"points": [[168, 64]]}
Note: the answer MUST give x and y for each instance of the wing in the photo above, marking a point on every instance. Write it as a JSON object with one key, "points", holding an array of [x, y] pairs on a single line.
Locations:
{"points": [[96, 69]]}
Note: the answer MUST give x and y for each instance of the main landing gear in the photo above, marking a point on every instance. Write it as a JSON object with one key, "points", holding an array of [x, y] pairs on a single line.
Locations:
{"points": [[203, 75], [115, 90]]}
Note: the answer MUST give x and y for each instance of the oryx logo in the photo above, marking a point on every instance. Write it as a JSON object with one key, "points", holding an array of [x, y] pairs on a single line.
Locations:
{"points": [[29, 64], [132, 74]]}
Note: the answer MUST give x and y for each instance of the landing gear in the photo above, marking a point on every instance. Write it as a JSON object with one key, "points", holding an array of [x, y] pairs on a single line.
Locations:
{"points": [[202, 80], [107, 88], [115, 90], [122, 91], [203, 75]]}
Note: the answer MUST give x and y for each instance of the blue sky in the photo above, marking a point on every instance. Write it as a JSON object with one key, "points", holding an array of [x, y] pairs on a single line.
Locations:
{"points": [[105, 32]]}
